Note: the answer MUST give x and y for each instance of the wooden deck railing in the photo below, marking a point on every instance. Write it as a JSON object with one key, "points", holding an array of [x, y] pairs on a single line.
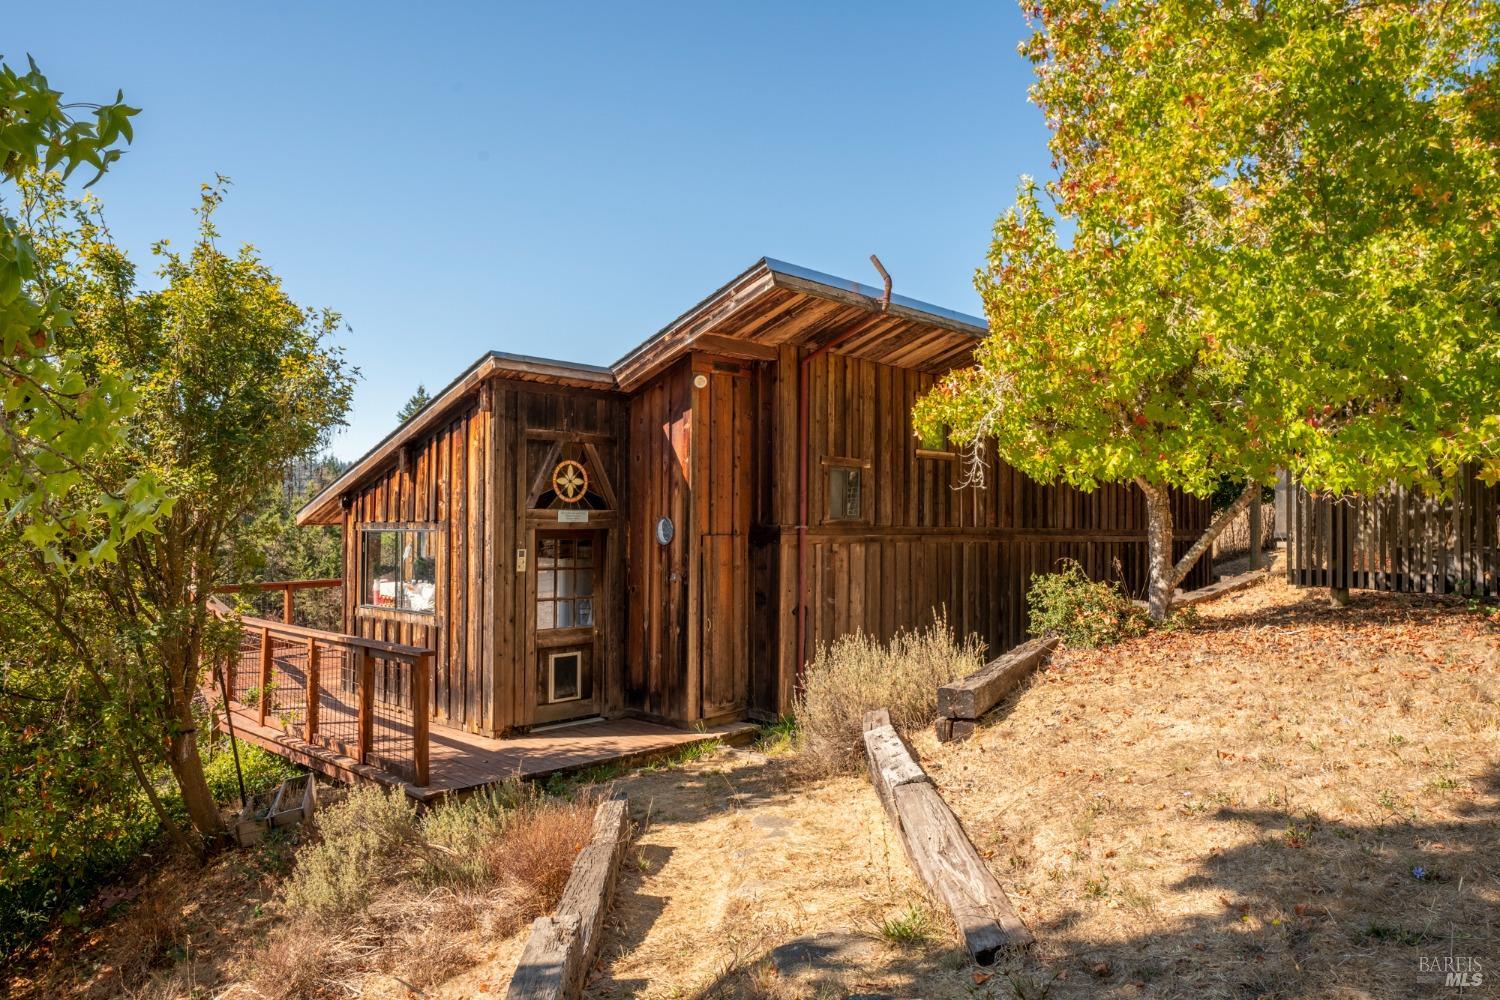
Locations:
{"points": [[288, 588], [364, 698]]}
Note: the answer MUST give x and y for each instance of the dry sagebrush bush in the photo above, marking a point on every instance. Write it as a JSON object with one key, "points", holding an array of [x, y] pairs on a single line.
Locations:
{"points": [[362, 843], [857, 674], [387, 893]]}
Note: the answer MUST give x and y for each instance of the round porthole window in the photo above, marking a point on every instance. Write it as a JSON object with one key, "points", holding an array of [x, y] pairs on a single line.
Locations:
{"points": [[665, 531]]}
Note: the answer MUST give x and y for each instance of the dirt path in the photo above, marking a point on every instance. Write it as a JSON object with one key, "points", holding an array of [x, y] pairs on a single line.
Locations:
{"points": [[1282, 800], [747, 882]]}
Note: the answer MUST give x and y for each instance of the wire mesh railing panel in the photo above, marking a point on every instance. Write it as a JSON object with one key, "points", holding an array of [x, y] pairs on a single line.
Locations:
{"points": [[338, 700], [246, 672], [393, 736], [286, 697], [364, 702]]}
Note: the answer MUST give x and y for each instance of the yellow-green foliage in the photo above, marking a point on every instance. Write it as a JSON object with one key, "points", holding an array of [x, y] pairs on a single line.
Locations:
{"points": [[857, 674]]}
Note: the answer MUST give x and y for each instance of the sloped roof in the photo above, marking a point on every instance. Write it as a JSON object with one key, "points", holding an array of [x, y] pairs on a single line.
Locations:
{"points": [[768, 305]]}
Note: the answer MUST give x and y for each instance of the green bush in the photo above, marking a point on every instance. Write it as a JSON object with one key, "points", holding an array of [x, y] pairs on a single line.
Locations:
{"points": [[57, 849], [1084, 612], [263, 771], [363, 843], [857, 674]]}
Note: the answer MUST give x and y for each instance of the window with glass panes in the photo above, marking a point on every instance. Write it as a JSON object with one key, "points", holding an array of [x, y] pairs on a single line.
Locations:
{"points": [[400, 569], [564, 583]]}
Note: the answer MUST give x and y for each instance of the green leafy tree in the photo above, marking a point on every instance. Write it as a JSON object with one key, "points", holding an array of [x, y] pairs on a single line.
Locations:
{"points": [[56, 414], [414, 405], [274, 547], [1281, 251], [232, 381]]}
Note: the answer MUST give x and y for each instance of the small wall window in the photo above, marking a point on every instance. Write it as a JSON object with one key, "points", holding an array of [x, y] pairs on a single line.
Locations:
{"points": [[845, 493], [400, 569]]}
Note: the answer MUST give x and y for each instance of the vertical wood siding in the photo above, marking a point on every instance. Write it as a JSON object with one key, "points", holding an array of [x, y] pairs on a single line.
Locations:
{"points": [[924, 546], [659, 475], [443, 484], [472, 477]]}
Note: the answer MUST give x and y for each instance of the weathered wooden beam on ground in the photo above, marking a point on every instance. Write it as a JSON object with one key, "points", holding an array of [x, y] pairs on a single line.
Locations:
{"points": [[561, 947], [940, 851], [550, 960], [964, 701], [1228, 585]]}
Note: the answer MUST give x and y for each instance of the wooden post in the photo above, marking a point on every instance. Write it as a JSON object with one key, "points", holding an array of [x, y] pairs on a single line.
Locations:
{"points": [[312, 688], [286, 605], [561, 948], [366, 703], [1255, 533], [421, 674], [265, 673], [231, 667]]}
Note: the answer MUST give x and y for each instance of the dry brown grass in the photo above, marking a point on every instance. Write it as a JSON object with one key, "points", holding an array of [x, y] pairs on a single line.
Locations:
{"points": [[856, 674], [382, 903], [388, 902], [1237, 810], [1230, 811]]}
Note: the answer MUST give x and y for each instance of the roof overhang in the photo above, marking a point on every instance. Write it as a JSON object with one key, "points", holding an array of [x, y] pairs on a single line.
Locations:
{"points": [[325, 508], [769, 305], [737, 319]]}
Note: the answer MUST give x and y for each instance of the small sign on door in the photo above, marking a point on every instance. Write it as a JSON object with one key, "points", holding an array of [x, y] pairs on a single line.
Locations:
{"points": [[572, 517]]}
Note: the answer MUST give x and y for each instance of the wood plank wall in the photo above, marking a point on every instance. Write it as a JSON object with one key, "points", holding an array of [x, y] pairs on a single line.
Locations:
{"points": [[659, 479], [719, 620], [923, 544], [444, 483], [471, 478], [1399, 540]]}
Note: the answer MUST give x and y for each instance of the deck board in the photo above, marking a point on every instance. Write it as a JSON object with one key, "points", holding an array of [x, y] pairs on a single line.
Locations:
{"points": [[462, 761]]}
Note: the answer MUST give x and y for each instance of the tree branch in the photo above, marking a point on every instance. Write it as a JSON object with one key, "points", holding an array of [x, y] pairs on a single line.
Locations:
{"points": [[1215, 529]]}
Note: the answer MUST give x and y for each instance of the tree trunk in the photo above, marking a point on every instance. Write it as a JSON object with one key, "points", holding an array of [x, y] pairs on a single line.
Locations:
{"points": [[1161, 582], [1164, 575], [187, 767]]}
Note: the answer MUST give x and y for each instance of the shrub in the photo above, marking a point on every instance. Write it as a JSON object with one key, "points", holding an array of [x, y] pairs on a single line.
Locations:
{"points": [[857, 674], [420, 898], [363, 841], [262, 769], [1085, 613]]}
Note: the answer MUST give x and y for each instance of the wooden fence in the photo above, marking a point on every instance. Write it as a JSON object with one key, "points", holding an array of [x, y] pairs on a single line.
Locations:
{"points": [[1398, 540], [363, 698]]}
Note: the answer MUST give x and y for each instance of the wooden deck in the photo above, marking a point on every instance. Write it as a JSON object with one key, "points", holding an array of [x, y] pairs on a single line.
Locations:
{"points": [[463, 761]]}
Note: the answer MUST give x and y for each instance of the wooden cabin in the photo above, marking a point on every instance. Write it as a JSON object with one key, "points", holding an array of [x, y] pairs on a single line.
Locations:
{"points": [[672, 537]]}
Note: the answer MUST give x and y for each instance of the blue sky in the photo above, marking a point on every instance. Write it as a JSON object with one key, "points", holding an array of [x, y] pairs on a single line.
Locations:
{"points": [[553, 179]]}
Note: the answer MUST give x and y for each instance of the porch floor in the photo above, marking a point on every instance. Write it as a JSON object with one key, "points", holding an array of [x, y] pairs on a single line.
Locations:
{"points": [[460, 761]]}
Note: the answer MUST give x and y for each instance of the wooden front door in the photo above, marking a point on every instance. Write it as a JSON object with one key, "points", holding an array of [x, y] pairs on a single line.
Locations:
{"points": [[569, 591]]}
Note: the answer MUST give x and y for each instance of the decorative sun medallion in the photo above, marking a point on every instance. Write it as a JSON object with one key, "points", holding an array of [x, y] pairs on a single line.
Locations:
{"points": [[570, 481]]}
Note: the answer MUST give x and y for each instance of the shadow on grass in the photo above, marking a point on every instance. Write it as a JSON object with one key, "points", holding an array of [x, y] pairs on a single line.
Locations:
{"points": [[1307, 907]]}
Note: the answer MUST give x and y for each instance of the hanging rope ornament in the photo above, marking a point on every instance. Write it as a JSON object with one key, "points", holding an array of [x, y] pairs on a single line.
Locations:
{"points": [[570, 481]]}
